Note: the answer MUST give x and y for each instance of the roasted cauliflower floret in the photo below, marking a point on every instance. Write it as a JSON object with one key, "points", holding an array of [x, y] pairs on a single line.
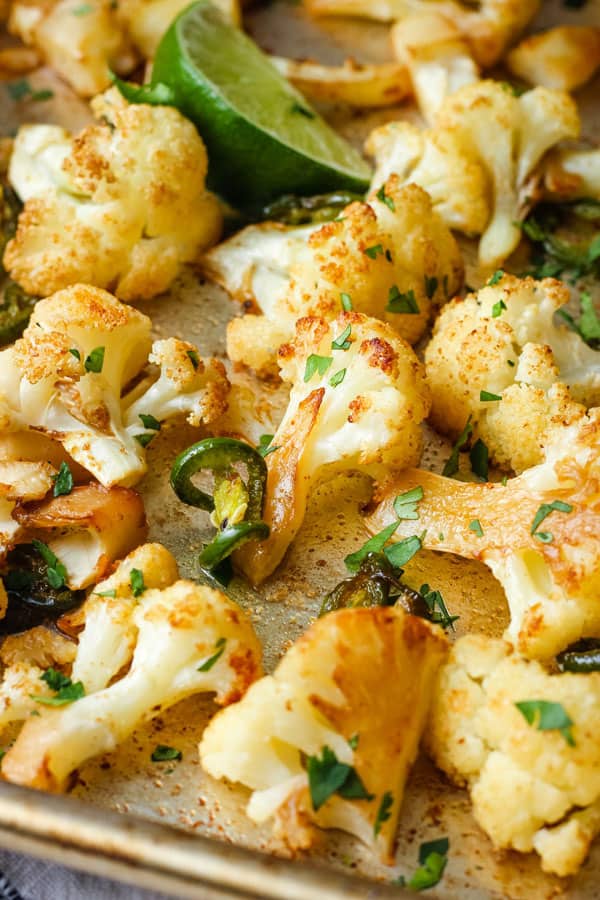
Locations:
{"points": [[123, 207], [204, 643], [392, 258], [571, 173], [548, 778], [324, 704], [437, 57], [358, 85], [66, 377], [489, 27], [478, 160], [563, 58], [82, 42], [358, 395], [503, 343], [145, 21], [538, 534], [87, 528]]}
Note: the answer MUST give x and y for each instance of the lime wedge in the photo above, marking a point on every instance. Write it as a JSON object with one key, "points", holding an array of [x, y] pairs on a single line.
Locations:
{"points": [[263, 138]]}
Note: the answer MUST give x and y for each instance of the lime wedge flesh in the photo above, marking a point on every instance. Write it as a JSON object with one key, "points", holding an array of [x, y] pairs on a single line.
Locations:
{"points": [[263, 138]]}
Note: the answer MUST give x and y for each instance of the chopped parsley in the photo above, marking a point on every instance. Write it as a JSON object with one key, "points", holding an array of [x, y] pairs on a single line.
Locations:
{"points": [[547, 716], [373, 545], [145, 438], [22, 90], [328, 776], [75, 352], [488, 397], [353, 741], [431, 286], [149, 421], [436, 605], [95, 361], [193, 355], [136, 581], [479, 458], [402, 303], [55, 570], [497, 308], [374, 251], [210, 662], [475, 526], [112, 593], [451, 466], [83, 10], [337, 378], [383, 198], [401, 552], [342, 342], [264, 445], [496, 277], [65, 690], [346, 301], [162, 753], [316, 363], [543, 512], [384, 811], [405, 505], [63, 481], [588, 326], [433, 857]]}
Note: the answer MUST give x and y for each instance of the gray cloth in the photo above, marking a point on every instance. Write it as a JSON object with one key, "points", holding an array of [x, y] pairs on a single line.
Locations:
{"points": [[26, 878]]}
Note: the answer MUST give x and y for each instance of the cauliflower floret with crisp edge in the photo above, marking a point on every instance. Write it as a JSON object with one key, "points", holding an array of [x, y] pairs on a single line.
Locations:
{"points": [[145, 21], [51, 382], [362, 412], [183, 625], [550, 790], [458, 163], [129, 205], [504, 340], [82, 46], [571, 173], [437, 57], [563, 58], [550, 571], [392, 245], [325, 692]]}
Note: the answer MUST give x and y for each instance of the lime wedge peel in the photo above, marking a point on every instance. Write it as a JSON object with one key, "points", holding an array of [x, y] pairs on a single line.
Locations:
{"points": [[262, 136]]}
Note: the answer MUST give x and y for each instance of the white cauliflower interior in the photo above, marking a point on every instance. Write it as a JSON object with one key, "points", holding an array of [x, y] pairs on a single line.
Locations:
{"points": [[392, 246], [504, 341], [549, 567], [358, 396], [564, 57], [65, 377], [478, 159], [326, 693], [121, 206], [531, 789], [180, 623]]}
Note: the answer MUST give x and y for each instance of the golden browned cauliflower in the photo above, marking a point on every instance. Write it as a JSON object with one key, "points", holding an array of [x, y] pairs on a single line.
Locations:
{"points": [[142, 614], [145, 21], [527, 745], [122, 206], [478, 159], [489, 26], [498, 359], [67, 377], [324, 707], [391, 258], [538, 533], [358, 396], [83, 42], [563, 58], [436, 55]]}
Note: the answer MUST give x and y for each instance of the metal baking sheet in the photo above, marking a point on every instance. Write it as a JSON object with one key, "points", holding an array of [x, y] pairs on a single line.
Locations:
{"points": [[170, 827]]}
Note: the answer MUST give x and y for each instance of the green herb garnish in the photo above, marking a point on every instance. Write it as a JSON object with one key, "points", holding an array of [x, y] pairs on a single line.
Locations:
{"points": [[264, 445], [55, 571], [475, 526], [547, 716], [543, 512], [328, 776], [372, 252], [163, 753], [383, 198], [219, 649], [402, 303], [95, 361], [65, 690], [63, 481], [316, 363], [488, 397], [337, 378], [342, 342], [346, 301], [436, 605], [136, 581], [384, 811], [451, 466], [479, 458], [195, 359], [405, 505]]}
